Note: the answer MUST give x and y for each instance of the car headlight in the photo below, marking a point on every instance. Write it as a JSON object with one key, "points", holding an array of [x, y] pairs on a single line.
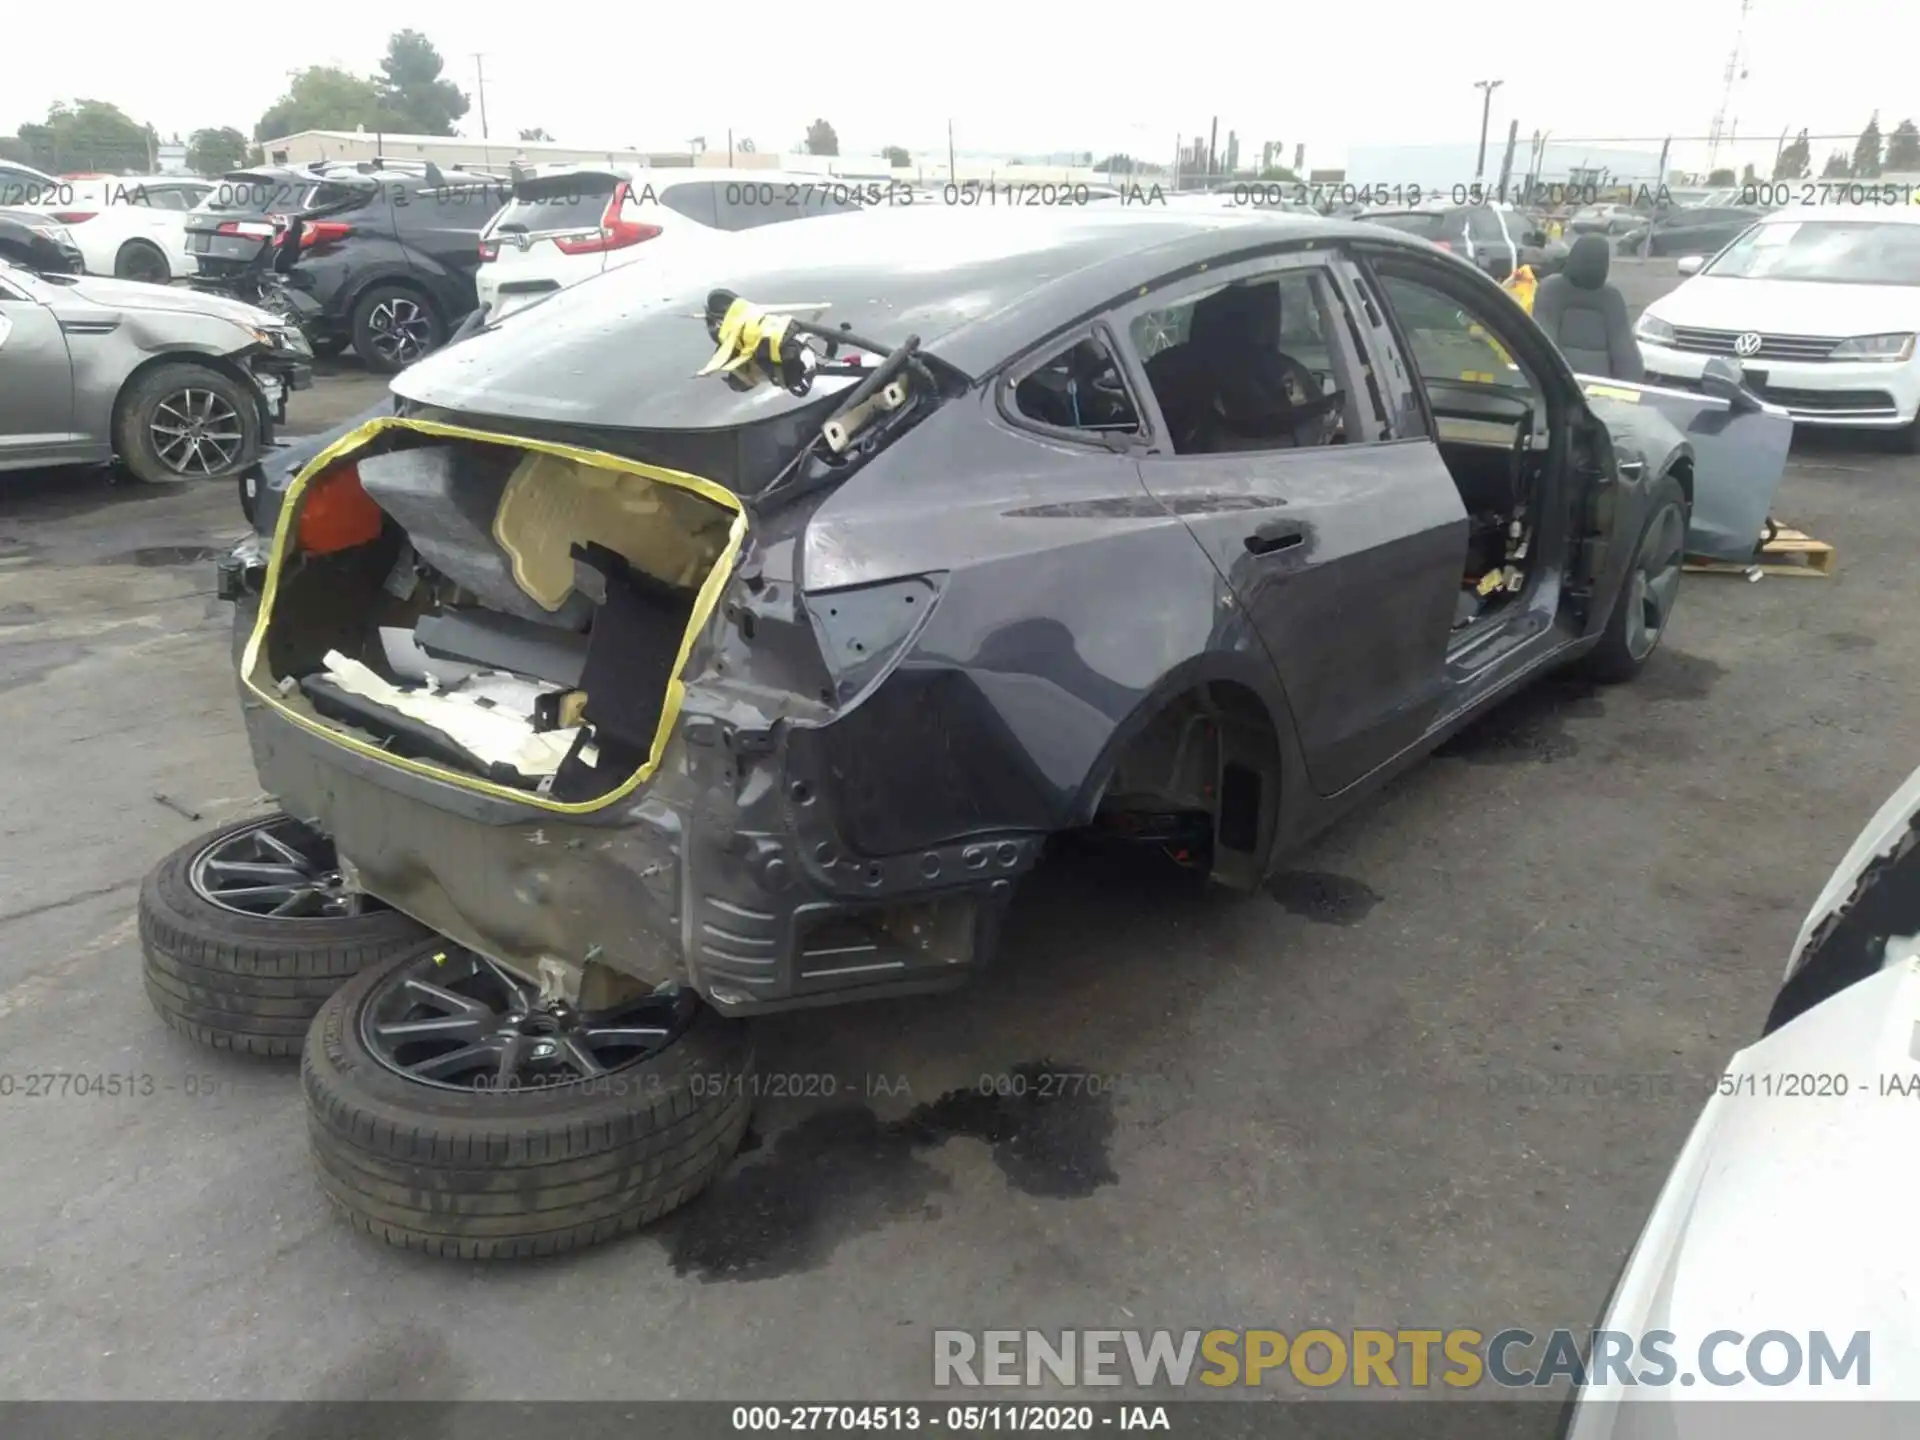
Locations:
{"points": [[1891, 349], [282, 337], [1653, 328], [59, 234]]}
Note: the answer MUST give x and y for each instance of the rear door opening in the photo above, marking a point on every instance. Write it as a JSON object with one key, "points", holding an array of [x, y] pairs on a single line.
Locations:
{"points": [[509, 615]]}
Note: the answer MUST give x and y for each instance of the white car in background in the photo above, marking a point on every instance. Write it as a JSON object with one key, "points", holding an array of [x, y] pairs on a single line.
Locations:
{"points": [[566, 223], [1791, 1205], [133, 227], [1820, 305]]}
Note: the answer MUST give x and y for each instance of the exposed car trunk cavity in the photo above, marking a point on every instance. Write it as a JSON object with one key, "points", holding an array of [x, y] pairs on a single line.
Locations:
{"points": [[510, 615]]}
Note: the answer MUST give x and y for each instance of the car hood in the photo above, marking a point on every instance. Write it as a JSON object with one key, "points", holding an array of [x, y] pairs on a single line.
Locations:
{"points": [[1787, 1211], [174, 299], [1791, 307]]}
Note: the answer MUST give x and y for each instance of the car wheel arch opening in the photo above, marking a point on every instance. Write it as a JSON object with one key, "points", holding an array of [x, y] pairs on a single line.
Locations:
{"points": [[1209, 752]]}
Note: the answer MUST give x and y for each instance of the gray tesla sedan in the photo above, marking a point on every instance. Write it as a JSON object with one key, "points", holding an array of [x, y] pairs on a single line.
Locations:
{"points": [[174, 384]]}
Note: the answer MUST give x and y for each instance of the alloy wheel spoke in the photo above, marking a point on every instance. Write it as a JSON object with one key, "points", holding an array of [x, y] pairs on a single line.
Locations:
{"points": [[522, 998], [579, 1055], [467, 1057], [449, 1002], [259, 870], [451, 1027], [275, 893]]}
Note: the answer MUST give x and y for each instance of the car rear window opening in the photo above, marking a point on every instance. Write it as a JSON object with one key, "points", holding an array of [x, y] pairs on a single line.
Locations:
{"points": [[557, 202]]}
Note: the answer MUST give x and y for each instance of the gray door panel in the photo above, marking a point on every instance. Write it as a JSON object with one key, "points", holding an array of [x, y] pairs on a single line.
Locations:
{"points": [[1738, 462]]}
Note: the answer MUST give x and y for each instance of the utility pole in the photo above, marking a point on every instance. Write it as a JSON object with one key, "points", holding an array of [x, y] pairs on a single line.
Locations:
{"points": [[1212, 136], [480, 77], [729, 147], [1486, 89], [1506, 162], [953, 175]]}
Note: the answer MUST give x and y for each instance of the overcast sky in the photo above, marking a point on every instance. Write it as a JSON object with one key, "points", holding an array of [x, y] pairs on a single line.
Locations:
{"points": [[1026, 76]]}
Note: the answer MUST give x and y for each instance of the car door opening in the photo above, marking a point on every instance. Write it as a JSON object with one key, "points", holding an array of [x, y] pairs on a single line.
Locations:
{"points": [[514, 615]]}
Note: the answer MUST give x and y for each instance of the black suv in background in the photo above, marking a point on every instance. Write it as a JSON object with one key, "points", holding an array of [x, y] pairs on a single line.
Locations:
{"points": [[380, 256], [1495, 237]]}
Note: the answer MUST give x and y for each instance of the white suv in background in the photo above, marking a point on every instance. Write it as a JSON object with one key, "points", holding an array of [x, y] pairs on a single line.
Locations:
{"points": [[131, 226], [1819, 304], [566, 223]]}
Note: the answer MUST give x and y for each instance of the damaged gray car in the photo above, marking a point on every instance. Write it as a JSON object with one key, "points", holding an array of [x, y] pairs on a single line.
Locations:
{"points": [[672, 655]]}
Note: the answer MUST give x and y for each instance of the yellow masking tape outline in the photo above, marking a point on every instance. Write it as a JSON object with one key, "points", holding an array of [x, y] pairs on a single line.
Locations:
{"points": [[742, 329], [703, 606]]}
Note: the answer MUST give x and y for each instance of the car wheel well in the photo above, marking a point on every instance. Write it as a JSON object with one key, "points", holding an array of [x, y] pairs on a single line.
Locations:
{"points": [[390, 282], [1211, 749], [1682, 470]]}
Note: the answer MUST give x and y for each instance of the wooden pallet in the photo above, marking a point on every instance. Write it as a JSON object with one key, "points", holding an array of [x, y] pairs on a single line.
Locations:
{"points": [[1788, 553]]}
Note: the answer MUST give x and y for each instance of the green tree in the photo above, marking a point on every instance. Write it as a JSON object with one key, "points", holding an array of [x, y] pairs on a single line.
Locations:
{"points": [[415, 100], [1720, 179], [898, 156], [215, 152], [1795, 159], [745, 147], [1747, 176], [1117, 164], [1279, 173], [88, 135], [322, 97], [1866, 150], [1836, 166], [536, 133], [1903, 149], [821, 139]]}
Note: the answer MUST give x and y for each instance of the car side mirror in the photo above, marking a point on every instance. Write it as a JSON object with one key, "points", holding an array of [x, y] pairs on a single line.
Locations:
{"points": [[1725, 380], [1690, 264]]}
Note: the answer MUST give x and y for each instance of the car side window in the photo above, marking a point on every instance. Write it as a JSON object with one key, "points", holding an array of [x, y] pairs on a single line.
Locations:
{"points": [[1255, 364], [1450, 344], [1484, 225], [1078, 388], [696, 200]]}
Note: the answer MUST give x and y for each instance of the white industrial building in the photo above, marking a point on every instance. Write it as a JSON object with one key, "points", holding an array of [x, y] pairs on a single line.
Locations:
{"points": [[1437, 169]]}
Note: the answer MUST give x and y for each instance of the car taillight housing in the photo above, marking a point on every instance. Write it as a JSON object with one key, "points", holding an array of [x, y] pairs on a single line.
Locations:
{"points": [[337, 513], [615, 232], [323, 232], [489, 249], [1444, 244], [74, 217], [252, 229]]}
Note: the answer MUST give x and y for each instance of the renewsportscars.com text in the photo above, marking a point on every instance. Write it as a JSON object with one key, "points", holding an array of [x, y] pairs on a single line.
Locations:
{"points": [[1400, 1359]]}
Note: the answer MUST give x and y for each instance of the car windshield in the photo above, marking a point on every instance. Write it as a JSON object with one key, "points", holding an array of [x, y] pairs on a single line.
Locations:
{"points": [[1427, 227], [1836, 252]]}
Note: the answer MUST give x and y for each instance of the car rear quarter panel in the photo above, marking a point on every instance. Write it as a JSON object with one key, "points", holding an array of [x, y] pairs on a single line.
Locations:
{"points": [[1072, 605]]}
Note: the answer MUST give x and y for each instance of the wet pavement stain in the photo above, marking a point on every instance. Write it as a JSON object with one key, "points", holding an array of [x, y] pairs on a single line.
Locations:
{"points": [[18, 613], [1848, 642], [1676, 675], [1328, 899], [1530, 728], [157, 557], [843, 1172]]}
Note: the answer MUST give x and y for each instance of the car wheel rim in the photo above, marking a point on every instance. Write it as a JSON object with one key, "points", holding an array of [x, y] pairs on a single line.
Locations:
{"points": [[400, 330], [1655, 580], [455, 1020], [196, 432], [277, 869]]}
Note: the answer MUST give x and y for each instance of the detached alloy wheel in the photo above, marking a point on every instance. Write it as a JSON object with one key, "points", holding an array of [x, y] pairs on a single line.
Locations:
{"points": [[393, 326], [182, 421], [1644, 605], [247, 930], [451, 1111]]}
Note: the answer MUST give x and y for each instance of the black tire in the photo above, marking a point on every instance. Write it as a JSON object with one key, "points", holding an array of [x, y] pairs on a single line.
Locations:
{"points": [[165, 385], [243, 982], [1618, 656], [394, 325], [496, 1175], [137, 260]]}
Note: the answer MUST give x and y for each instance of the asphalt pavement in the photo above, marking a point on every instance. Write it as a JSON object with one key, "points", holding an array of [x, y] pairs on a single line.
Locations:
{"points": [[1434, 1077]]}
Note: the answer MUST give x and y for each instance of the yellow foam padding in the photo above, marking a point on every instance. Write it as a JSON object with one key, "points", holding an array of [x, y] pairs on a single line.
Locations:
{"points": [[1609, 392], [551, 501], [711, 588]]}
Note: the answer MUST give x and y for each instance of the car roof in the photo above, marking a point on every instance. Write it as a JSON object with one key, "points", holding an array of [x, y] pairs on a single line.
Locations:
{"points": [[1817, 210], [978, 286]]}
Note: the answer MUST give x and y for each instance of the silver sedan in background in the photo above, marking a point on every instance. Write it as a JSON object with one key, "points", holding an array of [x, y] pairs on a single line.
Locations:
{"points": [[174, 384]]}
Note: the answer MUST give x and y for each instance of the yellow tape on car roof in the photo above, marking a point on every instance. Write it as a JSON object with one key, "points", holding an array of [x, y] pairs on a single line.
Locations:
{"points": [[703, 605]]}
